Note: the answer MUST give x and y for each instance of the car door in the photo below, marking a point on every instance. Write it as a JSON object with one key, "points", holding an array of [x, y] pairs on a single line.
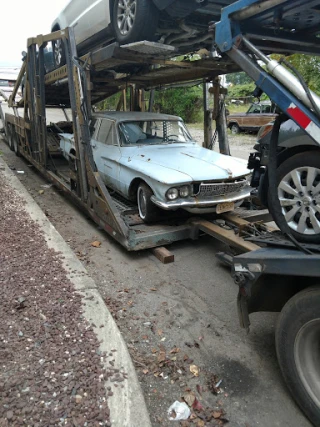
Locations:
{"points": [[98, 16], [76, 15], [251, 119], [106, 152], [267, 114]]}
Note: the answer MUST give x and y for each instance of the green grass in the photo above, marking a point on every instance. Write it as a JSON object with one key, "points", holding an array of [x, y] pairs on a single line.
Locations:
{"points": [[234, 109]]}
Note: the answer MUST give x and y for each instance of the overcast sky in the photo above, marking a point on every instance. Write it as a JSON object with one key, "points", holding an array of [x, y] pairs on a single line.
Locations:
{"points": [[21, 19]]}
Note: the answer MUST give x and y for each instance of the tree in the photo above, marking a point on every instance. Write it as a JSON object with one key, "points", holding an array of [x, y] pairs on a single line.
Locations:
{"points": [[308, 66], [240, 78]]}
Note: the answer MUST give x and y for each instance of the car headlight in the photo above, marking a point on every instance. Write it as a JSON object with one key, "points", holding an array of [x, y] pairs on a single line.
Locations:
{"points": [[172, 193], [184, 191]]}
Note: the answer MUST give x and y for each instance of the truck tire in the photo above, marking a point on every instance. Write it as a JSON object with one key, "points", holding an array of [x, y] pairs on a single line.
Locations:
{"points": [[297, 179], [235, 130], [148, 211], [298, 350], [15, 143], [134, 20], [9, 136]]}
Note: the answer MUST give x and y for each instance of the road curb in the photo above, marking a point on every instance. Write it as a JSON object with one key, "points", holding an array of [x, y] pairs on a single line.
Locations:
{"points": [[127, 405]]}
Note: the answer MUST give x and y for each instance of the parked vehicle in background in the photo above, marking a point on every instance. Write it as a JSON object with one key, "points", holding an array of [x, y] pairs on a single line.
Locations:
{"points": [[151, 159], [298, 179], [257, 115], [181, 23], [8, 77]]}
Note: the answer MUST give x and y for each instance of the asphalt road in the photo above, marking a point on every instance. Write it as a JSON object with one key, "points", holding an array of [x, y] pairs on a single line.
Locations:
{"points": [[178, 315]]}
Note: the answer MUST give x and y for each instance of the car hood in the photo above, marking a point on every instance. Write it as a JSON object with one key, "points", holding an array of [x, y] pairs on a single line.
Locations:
{"points": [[189, 162]]}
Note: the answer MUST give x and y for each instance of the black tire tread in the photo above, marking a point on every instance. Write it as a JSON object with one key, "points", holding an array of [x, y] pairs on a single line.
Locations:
{"points": [[300, 309], [144, 26], [153, 210]]}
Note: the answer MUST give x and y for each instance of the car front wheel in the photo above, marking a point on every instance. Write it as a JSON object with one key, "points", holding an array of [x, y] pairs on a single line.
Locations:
{"points": [[298, 350], [134, 20], [299, 194], [147, 210]]}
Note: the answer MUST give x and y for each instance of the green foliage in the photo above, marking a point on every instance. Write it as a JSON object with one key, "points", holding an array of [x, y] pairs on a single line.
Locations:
{"points": [[241, 91], [308, 66], [109, 104], [184, 102], [240, 78]]}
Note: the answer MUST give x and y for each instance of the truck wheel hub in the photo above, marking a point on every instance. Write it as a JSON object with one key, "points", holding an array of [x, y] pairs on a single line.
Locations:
{"points": [[306, 200]]}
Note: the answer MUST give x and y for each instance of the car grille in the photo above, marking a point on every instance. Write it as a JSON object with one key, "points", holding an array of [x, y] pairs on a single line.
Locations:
{"points": [[221, 188]]}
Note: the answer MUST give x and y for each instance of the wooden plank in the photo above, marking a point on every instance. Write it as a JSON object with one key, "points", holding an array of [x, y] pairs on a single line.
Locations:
{"points": [[165, 256], [253, 215], [242, 222], [225, 236]]}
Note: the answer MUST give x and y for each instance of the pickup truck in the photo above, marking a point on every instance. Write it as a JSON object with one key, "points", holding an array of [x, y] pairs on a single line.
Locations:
{"points": [[257, 115]]}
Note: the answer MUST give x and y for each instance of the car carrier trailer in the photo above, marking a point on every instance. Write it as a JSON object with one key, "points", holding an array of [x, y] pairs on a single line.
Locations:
{"points": [[284, 275], [78, 86], [268, 278]]}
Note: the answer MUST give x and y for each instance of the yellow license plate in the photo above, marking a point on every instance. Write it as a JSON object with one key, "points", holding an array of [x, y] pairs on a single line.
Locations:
{"points": [[225, 207]]}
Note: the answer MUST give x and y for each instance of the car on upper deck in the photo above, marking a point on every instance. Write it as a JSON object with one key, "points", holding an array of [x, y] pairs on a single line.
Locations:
{"points": [[180, 23], [152, 159], [8, 77]]}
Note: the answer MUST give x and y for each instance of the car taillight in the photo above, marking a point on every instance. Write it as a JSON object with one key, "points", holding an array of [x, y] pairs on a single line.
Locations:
{"points": [[264, 130]]}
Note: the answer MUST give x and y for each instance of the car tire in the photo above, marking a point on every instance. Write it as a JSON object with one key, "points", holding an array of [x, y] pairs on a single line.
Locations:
{"points": [[297, 177], [59, 54], [297, 343], [142, 23], [15, 143], [235, 130], [9, 137], [148, 211]]}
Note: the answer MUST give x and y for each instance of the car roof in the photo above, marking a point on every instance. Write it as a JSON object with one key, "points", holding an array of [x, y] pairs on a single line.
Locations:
{"points": [[264, 103], [122, 116]]}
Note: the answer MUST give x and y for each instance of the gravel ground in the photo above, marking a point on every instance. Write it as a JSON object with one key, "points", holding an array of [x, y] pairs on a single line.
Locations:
{"points": [[51, 373]]}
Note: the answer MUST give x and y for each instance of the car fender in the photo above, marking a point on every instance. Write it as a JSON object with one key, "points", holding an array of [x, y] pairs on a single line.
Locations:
{"points": [[232, 122], [159, 178]]}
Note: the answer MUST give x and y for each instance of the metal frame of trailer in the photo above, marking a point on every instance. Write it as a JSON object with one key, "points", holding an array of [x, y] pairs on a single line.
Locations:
{"points": [[80, 84]]}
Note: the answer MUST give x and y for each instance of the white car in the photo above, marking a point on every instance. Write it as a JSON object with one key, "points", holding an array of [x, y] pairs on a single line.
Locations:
{"points": [[182, 23], [151, 159]]}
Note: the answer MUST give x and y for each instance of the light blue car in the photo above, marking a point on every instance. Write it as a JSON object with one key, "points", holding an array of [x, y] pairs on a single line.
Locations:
{"points": [[151, 159]]}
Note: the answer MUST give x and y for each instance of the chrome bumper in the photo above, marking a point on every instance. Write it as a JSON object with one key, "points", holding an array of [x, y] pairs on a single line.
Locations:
{"points": [[194, 202]]}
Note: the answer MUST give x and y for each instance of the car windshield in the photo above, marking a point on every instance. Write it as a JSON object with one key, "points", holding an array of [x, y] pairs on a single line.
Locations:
{"points": [[149, 132]]}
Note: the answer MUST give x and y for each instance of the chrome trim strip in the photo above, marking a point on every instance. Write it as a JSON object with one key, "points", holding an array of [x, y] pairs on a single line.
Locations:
{"points": [[195, 202]]}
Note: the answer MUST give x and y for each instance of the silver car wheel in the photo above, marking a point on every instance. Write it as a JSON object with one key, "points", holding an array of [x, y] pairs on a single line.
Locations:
{"points": [[58, 51], [299, 195], [142, 203], [307, 356], [126, 14]]}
